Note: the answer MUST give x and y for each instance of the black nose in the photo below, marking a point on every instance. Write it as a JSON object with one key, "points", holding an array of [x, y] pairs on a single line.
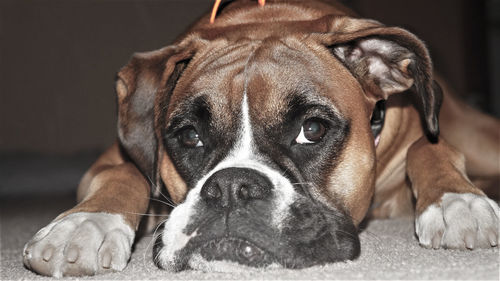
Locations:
{"points": [[235, 186]]}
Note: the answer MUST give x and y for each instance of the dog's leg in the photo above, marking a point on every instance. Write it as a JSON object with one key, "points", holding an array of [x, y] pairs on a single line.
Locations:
{"points": [[474, 133], [96, 235], [450, 212], [477, 136]]}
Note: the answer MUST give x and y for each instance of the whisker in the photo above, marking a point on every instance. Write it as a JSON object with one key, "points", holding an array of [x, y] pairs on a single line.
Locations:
{"points": [[166, 198], [161, 201], [149, 243], [141, 214], [158, 189], [155, 258], [303, 183], [346, 233], [284, 172], [372, 234]]}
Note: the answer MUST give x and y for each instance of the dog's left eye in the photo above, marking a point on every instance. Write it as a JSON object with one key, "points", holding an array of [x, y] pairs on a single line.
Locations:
{"points": [[312, 131], [188, 137]]}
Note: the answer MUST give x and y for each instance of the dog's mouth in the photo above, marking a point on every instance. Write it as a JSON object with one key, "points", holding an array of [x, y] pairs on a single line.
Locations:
{"points": [[236, 250], [310, 235], [224, 253]]}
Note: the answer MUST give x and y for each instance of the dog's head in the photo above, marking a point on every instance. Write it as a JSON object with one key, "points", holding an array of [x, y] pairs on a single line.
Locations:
{"points": [[261, 134]]}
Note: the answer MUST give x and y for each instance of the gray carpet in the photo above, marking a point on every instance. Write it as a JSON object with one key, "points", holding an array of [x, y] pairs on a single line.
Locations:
{"points": [[389, 247]]}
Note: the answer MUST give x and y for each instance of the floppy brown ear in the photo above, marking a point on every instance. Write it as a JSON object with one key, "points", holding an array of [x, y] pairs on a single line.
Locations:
{"points": [[138, 85], [386, 60]]}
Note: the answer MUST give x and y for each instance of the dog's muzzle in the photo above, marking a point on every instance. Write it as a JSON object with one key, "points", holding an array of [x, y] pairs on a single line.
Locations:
{"points": [[237, 215], [230, 191]]}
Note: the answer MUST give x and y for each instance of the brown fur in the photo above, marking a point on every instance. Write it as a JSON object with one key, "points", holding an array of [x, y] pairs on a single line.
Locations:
{"points": [[113, 186], [117, 186]]}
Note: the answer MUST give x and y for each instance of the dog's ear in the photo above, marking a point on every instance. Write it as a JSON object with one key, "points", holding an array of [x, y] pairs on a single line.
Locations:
{"points": [[138, 85], [386, 60]]}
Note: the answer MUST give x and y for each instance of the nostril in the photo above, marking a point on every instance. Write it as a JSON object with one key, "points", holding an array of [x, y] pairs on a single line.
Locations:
{"points": [[252, 191], [245, 192], [211, 191]]}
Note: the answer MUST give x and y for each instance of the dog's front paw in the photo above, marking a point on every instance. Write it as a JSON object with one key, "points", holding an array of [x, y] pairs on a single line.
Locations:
{"points": [[459, 221], [80, 244]]}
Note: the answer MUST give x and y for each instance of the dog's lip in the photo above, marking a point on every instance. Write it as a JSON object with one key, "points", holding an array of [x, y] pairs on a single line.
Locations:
{"points": [[236, 249]]}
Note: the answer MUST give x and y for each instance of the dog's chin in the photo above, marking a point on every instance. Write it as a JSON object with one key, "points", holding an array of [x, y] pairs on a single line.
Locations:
{"points": [[230, 254], [198, 262], [236, 250], [223, 254]]}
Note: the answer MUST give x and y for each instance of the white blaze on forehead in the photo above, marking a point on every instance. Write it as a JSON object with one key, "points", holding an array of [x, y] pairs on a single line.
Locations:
{"points": [[244, 147]]}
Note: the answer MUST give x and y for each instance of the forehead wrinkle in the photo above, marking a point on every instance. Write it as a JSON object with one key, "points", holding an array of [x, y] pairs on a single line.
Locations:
{"points": [[217, 56], [284, 68], [193, 82], [272, 77], [245, 70], [226, 106], [222, 83]]}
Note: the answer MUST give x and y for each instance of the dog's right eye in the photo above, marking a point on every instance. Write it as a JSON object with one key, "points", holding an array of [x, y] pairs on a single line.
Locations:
{"points": [[312, 131], [190, 138]]}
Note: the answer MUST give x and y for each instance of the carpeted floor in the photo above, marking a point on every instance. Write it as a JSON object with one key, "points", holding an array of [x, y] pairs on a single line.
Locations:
{"points": [[389, 247]]}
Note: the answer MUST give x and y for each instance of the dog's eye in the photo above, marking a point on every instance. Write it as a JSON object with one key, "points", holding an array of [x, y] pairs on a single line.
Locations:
{"points": [[188, 137], [312, 131]]}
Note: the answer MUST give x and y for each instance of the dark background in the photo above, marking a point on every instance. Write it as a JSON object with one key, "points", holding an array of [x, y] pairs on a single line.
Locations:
{"points": [[58, 60]]}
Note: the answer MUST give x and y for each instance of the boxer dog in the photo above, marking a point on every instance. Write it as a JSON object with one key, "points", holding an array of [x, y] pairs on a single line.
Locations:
{"points": [[275, 131]]}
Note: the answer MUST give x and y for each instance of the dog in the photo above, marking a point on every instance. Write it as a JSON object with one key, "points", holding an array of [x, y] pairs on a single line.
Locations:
{"points": [[275, 130]]}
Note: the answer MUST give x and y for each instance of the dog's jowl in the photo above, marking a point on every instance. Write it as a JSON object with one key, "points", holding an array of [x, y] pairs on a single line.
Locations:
{"points": [[276, 130]]}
